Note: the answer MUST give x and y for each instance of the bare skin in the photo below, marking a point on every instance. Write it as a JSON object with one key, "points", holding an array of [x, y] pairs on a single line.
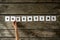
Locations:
{"points": [[16, 30]]}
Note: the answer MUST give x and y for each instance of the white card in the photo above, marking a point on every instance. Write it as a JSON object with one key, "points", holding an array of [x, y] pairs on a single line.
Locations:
{"points": [[47, 18], [53, 18], [23, 18], [17, 19], [13, 18], [29, 18], [41, 18], [7, 18], [35, 18]]}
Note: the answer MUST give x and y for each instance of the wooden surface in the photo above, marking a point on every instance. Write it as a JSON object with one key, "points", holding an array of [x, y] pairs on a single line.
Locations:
{"points": [[30, 30]]}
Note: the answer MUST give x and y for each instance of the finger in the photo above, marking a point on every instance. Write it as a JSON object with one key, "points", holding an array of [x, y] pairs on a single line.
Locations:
{"points": [[14, 24]]}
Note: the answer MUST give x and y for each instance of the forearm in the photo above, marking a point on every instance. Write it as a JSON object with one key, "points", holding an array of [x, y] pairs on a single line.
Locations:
{"points": [[16, 34], [16, 30]]}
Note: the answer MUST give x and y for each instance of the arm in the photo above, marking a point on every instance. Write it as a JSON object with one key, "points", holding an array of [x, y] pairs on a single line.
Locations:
{"points": [[16, 30]]}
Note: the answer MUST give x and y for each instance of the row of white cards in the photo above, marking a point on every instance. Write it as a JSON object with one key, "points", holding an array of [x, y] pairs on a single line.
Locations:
{"points": [[29, 18]]}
